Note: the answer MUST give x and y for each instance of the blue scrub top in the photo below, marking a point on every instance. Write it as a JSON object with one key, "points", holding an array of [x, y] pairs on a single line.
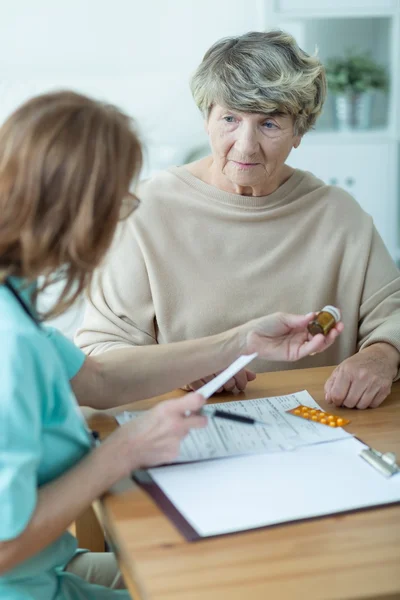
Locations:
{"points": [[42, 435]]}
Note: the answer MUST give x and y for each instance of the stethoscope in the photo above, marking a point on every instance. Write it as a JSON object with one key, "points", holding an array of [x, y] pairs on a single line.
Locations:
{"points": [[24, 306]]}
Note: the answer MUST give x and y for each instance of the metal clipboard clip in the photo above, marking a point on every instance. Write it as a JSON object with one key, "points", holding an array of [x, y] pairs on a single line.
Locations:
{"points": [[385, 463]]}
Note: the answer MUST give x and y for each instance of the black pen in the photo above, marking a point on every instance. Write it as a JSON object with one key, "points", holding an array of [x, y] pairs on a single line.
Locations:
{"points": [[221, 414]]}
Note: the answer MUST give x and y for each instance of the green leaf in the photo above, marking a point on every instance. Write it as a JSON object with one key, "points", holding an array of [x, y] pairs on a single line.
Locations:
{"points": [[355, 72]]}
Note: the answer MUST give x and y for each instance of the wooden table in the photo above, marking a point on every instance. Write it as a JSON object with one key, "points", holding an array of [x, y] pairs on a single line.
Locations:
{"points": [[355, 555]]}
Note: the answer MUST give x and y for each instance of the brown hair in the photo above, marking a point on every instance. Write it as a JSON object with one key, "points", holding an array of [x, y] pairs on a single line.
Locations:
{"points": [[66, 164]]}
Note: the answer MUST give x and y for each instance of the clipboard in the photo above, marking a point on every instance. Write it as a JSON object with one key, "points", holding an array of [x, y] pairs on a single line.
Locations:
{"points": [[227, 496]]}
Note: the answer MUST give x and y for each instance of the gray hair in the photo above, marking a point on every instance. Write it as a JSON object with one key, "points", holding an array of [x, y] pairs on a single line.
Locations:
{"points": [[262, 72]]}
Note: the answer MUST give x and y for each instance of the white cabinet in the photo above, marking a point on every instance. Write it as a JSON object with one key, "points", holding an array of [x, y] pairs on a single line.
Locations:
{"points": [[365, 163], [366, 170]]}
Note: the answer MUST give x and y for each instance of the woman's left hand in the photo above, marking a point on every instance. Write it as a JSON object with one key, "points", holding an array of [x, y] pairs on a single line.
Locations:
{"points": [[365, 379], [284, 337]]}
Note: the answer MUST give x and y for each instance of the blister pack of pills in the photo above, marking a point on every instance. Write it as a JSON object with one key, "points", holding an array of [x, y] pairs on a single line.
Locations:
{"points": [[318, 416]]}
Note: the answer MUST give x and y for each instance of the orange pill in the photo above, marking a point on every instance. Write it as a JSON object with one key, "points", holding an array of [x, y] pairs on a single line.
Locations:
{"points": [[332, 424], [323, 421], [331, 418], [339, 421], [305, 415], [305, 409], [314, 418], [313, 411], [297, 411]]}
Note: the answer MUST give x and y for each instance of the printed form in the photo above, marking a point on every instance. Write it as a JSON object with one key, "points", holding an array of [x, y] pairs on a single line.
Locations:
{"points": [[282, 432]]}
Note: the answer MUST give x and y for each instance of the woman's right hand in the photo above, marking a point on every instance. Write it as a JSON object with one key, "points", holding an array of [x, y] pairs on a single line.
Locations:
{"points": [[284, 337], [154, 437]]}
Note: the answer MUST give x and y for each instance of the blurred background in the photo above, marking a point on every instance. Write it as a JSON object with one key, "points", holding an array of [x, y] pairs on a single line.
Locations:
{"points": [[140, 55]]}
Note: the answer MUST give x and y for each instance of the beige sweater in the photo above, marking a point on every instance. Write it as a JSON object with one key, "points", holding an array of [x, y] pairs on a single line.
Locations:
{"points": [[195, 260]]}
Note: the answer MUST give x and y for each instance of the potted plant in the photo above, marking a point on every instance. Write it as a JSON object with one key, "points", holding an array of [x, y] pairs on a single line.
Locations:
{"points": [[352, 79]]}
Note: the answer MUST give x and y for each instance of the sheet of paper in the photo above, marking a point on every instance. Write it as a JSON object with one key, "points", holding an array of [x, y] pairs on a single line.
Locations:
{"points": [[223, 438], [212, 386], [223, 496]]}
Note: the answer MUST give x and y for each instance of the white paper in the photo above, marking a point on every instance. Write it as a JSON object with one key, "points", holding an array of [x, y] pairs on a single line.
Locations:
{"points": [[223, 496], [222, 438], [212, 386]]}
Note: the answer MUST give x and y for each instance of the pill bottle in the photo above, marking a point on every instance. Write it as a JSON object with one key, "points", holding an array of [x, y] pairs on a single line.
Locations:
{"points": [[324, 321]]}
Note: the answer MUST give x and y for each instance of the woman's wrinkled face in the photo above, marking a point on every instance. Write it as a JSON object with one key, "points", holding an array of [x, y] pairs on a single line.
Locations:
{"points": [[250, 149]]}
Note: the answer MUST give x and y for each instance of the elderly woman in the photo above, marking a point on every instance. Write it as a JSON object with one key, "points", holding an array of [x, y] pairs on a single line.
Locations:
{"points": [[240, 233]]}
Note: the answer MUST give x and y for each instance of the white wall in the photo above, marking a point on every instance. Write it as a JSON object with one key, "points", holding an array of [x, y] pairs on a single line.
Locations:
{"points": [[138, 55]]}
